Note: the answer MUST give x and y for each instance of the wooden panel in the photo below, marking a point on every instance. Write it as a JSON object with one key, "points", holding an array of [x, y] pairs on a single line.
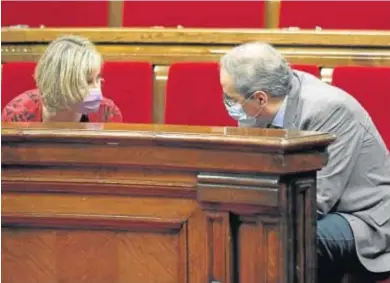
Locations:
{"points": [[30, 251], [70, 256]]}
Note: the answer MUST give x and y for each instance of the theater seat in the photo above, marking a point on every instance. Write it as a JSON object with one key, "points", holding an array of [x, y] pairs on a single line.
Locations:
{"points": [[16, 78], [197, 14], [335, 14], [311, 69], [130, 86], [55, 13], [194, 96], [371, 87]]}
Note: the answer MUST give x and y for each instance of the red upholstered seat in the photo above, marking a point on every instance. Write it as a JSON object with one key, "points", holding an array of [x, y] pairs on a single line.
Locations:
{"points": [[16, 77], [202, 14], [130, 86], [371, 87], [194, 96], [55, 13], [311, 69], [335, 14]]}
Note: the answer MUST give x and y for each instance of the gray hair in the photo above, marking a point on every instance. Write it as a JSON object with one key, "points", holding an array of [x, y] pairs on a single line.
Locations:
{"points": [[257, 66]]}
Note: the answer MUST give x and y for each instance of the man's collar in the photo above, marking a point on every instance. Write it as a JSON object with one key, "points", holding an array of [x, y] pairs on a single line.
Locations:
{"points": [[279, 118]]}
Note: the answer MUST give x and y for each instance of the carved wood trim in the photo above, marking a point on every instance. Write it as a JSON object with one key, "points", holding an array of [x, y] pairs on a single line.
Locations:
{"points": [[101, 189], [220, 245], [78, 221], [183, 253], [167, 54], [153, 156], [234, 189], [115, 135], [300, 224], [268, 181], [203, 36]]}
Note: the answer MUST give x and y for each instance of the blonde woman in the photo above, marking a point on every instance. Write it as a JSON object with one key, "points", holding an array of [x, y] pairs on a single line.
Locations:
{"points": [[69, 87]]}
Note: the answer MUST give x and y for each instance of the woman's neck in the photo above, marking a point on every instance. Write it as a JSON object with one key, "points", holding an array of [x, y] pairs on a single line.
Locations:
{"points": [[61, 116]]}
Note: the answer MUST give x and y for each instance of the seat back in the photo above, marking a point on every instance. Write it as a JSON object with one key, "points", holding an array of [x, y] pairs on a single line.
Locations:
{"points": [[311, 69], [130, 86], [335, 14], [197, 14], [55, 13], [16, 78], [371, 87], [194, 96]]}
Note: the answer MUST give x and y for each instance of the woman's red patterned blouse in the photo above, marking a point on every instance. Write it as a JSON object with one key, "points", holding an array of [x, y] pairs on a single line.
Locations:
{"points": [[27, 107]]}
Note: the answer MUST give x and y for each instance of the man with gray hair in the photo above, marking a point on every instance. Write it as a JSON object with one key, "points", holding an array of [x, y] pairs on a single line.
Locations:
{"points": [[353, 189]]}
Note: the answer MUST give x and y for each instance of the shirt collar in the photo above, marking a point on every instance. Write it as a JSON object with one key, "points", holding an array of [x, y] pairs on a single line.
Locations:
{"points": [[279, 118]]}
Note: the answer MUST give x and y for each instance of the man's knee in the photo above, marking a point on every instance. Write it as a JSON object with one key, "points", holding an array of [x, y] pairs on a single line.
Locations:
{"points": [[335, 242]]}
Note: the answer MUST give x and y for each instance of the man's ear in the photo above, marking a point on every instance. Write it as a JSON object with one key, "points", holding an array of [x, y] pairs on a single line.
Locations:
{"points": [[261, 97]]}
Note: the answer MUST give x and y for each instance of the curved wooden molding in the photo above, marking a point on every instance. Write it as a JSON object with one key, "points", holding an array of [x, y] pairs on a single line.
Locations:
{"points": [[232, 192], [203, 36], [77, 221]]}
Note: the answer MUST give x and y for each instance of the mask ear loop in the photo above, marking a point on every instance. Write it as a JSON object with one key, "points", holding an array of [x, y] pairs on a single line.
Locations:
{"points": [[261, 109]]}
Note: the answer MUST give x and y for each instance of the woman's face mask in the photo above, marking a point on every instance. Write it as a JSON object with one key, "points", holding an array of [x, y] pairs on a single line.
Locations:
{"points": [[92, 102]]}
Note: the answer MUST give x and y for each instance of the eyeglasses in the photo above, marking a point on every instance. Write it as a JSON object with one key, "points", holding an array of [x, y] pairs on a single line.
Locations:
{"points": [[230, 101]]}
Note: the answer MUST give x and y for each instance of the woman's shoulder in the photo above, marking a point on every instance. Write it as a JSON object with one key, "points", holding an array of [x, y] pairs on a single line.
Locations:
{"points": [[24, 107], [107, 102], [109, 111]]}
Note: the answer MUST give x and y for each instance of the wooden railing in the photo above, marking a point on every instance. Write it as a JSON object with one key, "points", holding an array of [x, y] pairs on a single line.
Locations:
{"points": [[163, 46], [149, 203]]}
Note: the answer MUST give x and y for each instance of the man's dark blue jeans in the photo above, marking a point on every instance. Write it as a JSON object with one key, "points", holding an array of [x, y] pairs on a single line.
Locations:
{"points": [[336, 253]]}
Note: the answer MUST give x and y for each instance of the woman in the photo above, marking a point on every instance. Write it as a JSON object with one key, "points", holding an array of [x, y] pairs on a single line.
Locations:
{"points": [[69, 87]]}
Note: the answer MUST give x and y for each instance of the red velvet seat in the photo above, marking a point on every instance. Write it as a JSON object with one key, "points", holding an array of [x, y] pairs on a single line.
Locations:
{"points": [[130, 86], [311, 69], [335, 14], [16, 78], [202, 14], [55, 13], [371, 87], [194, 96]]}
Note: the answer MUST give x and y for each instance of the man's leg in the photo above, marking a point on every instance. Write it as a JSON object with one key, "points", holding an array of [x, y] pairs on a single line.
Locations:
{"points": [[335, 248]]}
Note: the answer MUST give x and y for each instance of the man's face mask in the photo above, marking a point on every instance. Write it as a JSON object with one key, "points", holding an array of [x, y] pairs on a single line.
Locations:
{"points": [[92, 102], [237, 112]]}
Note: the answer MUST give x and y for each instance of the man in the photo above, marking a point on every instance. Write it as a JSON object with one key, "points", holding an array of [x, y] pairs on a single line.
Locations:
{"points": [[353, 189]]}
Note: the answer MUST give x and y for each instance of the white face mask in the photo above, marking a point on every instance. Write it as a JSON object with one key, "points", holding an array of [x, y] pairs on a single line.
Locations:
{"points": [[237, 113]]}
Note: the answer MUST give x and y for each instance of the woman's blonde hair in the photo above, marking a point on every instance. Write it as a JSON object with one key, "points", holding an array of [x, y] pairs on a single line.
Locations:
{"points": [[65, 70]]}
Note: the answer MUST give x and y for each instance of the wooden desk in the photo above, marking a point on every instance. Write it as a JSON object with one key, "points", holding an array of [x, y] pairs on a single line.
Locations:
{"points": [[151, 203]]}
